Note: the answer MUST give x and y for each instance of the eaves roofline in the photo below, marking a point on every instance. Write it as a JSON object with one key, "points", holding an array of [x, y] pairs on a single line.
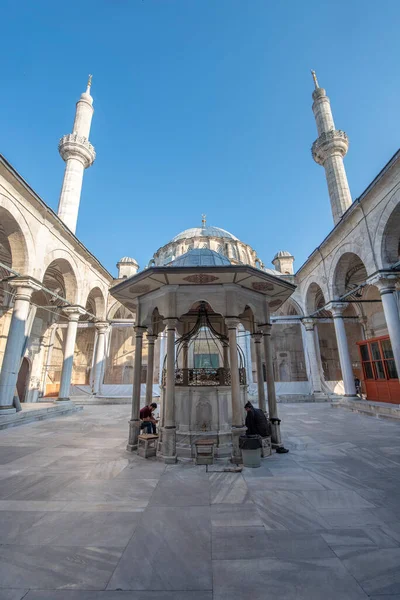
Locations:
{"points": [[200, 269], [57, 221], [355, 204]]}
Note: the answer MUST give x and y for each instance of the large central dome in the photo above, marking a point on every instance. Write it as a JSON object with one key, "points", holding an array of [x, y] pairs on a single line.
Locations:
{"points": [[206, 231]]}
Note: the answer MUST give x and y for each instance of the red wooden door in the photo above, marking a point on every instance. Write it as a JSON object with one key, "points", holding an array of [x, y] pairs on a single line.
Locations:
{"points": [[380, 377]]}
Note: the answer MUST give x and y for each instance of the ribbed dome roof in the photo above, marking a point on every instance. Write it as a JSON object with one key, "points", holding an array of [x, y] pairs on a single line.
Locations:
{"points": [[282, 253], [200, 257], [127, 259], [206, 231]]}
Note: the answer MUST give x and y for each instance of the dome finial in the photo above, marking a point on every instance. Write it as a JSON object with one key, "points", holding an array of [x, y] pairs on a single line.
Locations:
{"points": [[89, 84], [203, 221], [314, 76]]}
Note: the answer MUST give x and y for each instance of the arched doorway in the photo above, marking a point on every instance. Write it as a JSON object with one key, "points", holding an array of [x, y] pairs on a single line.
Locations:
{"points": [[23, 379], [366, 329]]}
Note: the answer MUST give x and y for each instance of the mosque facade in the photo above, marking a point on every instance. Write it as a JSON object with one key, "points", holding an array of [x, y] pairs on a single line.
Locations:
{"points": [[64, 335]]}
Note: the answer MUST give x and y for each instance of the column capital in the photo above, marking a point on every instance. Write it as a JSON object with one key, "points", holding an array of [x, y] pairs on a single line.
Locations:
{"points": [[232, 322], [102, 326], [257, 337], [170, 322], [24, 287], [139, 330], [266, 328], [73, 312], [151, 338], [308, 323], [385, 281], [337, 308]]}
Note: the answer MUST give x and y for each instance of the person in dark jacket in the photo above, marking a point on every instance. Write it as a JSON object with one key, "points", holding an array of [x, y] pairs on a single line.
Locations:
{"points": [[256, 421]]}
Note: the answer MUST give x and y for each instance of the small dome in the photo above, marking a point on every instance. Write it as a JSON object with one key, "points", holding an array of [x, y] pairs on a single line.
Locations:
{"points": [[206, 231], [127, 260], [200, 257], [283, 253]]}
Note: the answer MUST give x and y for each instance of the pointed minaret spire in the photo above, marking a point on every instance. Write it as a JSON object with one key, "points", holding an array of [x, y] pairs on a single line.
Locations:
{"points": [[78, 154], [329, 150]]}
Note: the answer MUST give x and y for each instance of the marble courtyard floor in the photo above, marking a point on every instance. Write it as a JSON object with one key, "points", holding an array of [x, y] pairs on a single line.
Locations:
{"points": [[81, 519]]}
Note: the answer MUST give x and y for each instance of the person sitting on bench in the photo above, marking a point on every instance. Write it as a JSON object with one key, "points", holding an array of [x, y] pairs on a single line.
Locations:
{"points": [[148, 423]]}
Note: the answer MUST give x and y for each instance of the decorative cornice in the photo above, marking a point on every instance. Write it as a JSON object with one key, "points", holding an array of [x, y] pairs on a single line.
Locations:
{"points": [[102, 326], [328, 143], [257, 337], [170, 322], [385, 281], [232, 322], [24, 287], [309, 324], [337, 308], [73, 145], [74, 312], [139, 330]]}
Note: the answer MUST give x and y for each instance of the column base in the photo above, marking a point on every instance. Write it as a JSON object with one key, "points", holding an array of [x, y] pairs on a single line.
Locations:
{"points": [[236, 457], [62, 400], [134, 430], [169, 445], [131, 447], [7, 410], [170, 460]]}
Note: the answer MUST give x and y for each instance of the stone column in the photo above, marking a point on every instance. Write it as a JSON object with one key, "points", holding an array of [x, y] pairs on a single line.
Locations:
{"points": [[185, 362], [151, 340], [169, 429], [134, 423], [269, 368], [102, 329], [162, 354], [185, 354], [337, 309], [249, 363], [73, 313], [257, 337], [237, 408], [225, 350], [272, 405], [312, 356], [243, 342], [386, 283], [24, 287]]}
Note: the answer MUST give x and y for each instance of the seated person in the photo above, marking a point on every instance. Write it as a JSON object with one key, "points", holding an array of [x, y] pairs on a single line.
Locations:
{"points": [[148, 421], [256, 421]]}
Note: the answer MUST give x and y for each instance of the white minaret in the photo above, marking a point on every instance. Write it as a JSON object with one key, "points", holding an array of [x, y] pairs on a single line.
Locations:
{"points": [[78, 154], [329, 150]]}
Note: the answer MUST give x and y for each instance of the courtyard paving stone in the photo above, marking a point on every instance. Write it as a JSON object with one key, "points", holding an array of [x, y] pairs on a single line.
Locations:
{"points": [[82, 519]]}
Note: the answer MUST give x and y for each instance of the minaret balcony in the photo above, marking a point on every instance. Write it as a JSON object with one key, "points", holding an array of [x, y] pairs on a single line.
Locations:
{"points": [[76, 146], [329, 143]]}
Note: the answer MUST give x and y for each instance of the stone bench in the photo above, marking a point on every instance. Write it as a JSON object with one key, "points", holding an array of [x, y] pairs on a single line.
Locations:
{"points": [[147, 445]]}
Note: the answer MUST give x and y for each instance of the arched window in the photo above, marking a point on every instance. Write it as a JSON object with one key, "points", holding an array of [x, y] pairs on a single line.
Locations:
{"points": [[221, 249]]}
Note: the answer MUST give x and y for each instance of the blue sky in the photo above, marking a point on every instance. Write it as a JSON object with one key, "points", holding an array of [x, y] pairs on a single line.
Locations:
{"points": [[201, 106]]}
